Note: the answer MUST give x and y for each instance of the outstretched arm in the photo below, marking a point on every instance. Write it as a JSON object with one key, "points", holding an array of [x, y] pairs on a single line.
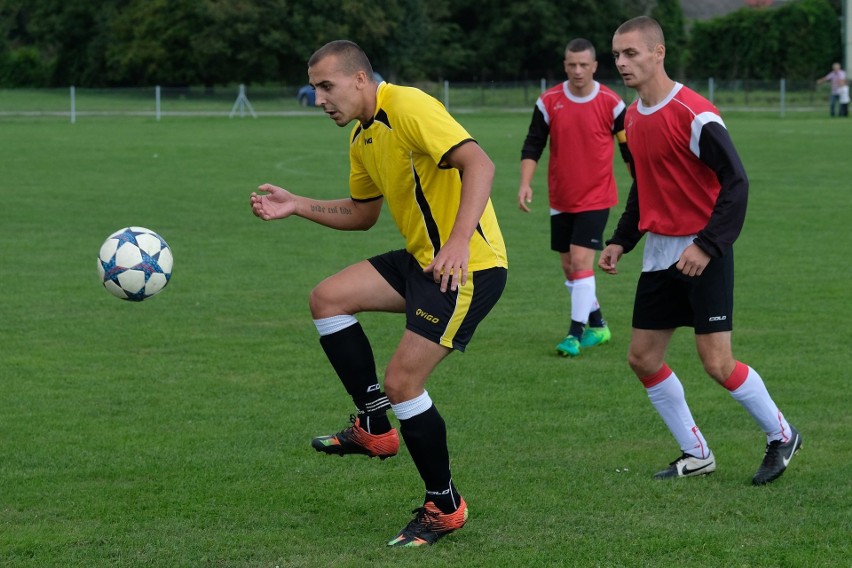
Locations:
{"points": [[347, 214]]}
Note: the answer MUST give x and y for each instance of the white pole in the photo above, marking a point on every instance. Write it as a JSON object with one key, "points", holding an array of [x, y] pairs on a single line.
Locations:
{"points": [[242, 103], [710, 89], [157, 104], [447, 94], [73, 105], [543, 84], [783, 96], [846, 32]]}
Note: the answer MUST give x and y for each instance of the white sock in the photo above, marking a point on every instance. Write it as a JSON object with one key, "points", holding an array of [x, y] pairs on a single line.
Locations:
{"points": [[411, 408], [666, 394], [327, 326], [747, 388], [583, 298]]}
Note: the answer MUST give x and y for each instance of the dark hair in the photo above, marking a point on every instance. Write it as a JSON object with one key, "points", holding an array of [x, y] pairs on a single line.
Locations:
{"points": [[649, 27], [349, 55], [580, 45]]}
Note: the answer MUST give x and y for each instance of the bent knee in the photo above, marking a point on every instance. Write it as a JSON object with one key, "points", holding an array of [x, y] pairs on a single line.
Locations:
{"points": [[323, 302], [315, 302], [643, 364], [719, 369]]}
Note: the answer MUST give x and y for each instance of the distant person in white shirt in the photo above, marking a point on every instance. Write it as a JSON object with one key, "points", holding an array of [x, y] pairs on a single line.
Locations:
{"points": [[844, 99], [837, 76]]}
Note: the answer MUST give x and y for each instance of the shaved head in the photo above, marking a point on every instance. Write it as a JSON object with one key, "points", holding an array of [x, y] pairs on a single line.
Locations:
{"points": [[350, 57], [648, 27]]}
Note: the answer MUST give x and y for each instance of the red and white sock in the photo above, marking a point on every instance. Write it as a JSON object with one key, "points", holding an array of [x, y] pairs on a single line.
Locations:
{"points": [[583, 299], [747, 388], [666, 394]]}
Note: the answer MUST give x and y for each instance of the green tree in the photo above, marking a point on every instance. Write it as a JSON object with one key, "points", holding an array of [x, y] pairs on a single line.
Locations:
{"points": [[425, 42], [512, 40], [151, 43], [670, 16], [793, 40]]}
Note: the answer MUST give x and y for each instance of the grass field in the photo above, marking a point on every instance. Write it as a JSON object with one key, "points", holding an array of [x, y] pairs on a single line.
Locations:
{"points": [[176, 432]]}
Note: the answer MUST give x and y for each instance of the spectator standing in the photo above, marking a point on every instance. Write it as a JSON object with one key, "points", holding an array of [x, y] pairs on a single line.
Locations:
{"points": [[837, 78]]}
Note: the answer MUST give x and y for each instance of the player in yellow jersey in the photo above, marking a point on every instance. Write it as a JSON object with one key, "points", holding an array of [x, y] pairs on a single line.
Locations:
{"points": [[405, 150]]}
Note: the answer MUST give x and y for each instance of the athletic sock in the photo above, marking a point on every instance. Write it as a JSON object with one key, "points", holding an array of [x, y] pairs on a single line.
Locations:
{"points": [[425, 435], [596, 317], [576, 329], [582, 295], [446, 499], [665, 392], [748, 388], [349, 352]]}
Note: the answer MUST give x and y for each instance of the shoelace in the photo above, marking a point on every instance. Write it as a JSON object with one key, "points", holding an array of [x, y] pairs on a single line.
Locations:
{"points": [[345, 431], [683, 456], [423, 516], [773, 447]]}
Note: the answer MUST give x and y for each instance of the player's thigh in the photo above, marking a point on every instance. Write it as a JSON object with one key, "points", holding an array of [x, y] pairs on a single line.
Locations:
{"points": [[356, 288], [582, 258]]}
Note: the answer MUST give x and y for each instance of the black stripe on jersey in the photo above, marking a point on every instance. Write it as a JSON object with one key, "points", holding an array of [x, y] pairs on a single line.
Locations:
{"points": [[382, 117], [443, 163], [366, 200], [426, 211], [481, 232]]}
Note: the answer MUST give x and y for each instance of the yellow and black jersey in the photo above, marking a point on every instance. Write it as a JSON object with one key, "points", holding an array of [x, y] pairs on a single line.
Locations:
{"points": [[401, 155]]}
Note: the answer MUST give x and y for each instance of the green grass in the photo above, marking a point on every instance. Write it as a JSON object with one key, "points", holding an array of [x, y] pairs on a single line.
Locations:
{"points": [[176, 432]]}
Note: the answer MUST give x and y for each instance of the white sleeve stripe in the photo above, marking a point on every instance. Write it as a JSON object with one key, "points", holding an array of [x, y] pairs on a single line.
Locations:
{"points": [[540, 104], [698, 124], [618, 108]]}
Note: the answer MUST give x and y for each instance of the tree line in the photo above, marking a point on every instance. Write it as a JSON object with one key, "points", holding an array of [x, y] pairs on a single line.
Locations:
{"points": [[113, 43]]}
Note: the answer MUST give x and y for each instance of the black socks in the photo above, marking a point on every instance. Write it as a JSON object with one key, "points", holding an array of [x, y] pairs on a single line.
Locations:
{"points": [[349, 352]]}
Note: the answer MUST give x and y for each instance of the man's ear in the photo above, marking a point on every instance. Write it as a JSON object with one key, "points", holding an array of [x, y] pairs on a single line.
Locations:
{"points": [[361, 79]]}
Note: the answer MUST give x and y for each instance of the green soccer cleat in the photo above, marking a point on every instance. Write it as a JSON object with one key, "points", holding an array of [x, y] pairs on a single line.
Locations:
{"points": [[595, 336], [570, 347]]}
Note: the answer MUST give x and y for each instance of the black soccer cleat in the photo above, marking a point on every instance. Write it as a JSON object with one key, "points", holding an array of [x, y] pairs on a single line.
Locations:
{"points": [[777, 457]]}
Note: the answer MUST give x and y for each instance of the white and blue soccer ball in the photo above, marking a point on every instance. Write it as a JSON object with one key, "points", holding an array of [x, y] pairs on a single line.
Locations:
{"points": [[135, 263]]}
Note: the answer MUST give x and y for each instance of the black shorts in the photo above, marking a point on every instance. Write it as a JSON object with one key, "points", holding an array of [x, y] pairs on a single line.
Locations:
{"points": [[447, 318], [584, 229], [666, 299]]}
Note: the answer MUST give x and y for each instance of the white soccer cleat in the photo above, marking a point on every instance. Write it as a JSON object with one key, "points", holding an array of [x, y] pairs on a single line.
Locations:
{"points": [[688, 466]]}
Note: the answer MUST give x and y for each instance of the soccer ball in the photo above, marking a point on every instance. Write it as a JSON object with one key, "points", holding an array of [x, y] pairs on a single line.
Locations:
{"points": [[135, 263]]}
